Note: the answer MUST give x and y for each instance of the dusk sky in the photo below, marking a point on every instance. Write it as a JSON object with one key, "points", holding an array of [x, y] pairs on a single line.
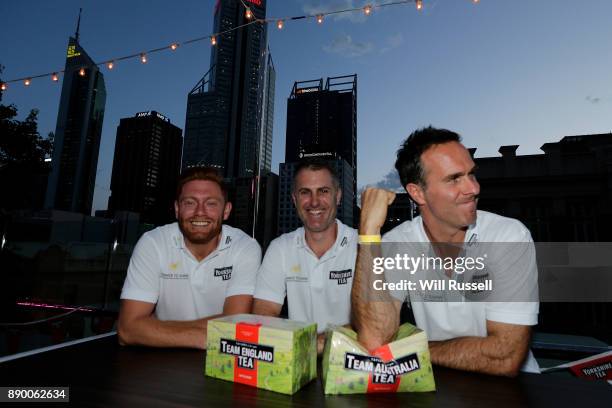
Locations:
{"points": [[498, 72]]}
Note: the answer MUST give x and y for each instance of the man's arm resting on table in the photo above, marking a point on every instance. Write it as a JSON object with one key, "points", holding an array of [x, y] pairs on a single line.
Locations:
{"points": [[502, 352], [138, 326]]}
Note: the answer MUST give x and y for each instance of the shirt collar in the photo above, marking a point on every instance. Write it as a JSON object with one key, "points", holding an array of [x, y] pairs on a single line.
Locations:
{"points": [[178, 240], [471, 235], [341, 239]]}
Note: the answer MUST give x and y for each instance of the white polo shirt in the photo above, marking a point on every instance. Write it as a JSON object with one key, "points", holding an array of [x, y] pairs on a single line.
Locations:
{"points": [[317, 290], [447, 320], [163, 271]]}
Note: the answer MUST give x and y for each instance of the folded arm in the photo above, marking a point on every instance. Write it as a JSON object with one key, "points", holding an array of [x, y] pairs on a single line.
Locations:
{"points": [[501, 352], [139, 326]]}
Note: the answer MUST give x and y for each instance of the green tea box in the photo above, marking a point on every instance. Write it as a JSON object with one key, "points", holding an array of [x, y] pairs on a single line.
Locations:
{"points": [[262, 351], [404, 365]]}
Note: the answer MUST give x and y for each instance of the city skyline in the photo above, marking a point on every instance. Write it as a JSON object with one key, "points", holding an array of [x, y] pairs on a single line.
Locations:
{"points": [[499, 74]]}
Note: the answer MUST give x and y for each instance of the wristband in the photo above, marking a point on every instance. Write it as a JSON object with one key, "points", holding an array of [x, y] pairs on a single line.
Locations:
{"points": [[370, 239]]}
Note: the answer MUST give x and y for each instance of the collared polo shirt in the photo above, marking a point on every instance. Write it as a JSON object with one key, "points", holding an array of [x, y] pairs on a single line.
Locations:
{"points": [[317, 289], [163, 271], [447, 320]]}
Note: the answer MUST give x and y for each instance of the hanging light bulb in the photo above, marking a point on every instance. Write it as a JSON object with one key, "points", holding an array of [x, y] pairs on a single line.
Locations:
{"points": [[82, 72], [3, 86], [475, 1], [213, 40], [110, 65], [320, 18], [280, 24], [27, 82], [173, 46], [248, 13], [367, 9], [419, 4], [143, 58], [54, 77]]}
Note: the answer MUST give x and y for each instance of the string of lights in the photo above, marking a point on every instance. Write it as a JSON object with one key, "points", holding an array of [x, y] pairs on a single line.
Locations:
{"points": [[143, 56]]}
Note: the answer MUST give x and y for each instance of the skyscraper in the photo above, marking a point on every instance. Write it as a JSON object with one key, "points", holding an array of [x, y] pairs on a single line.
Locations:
{"points": [[77, 133], [321, 123], [267, 113], [223, 123], [146, 166]]}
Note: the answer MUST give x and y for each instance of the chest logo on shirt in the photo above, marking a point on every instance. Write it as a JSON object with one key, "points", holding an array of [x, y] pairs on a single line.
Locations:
{"points": [[341, 276], [174, 266], [225, 273]]}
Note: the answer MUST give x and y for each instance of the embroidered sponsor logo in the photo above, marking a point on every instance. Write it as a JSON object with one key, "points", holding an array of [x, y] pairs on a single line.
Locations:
{"points": [[341, 276], [174, 275], [225, 273], [174, 265]]}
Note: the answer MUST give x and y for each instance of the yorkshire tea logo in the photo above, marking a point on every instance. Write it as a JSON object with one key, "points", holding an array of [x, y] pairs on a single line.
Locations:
{"points": [[382, 373], [224, 273], [72, 52], [247, 353], [341, 276]]}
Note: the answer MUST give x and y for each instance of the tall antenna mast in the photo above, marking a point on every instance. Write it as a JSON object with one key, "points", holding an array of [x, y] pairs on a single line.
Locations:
{"points": [[76, 35]]}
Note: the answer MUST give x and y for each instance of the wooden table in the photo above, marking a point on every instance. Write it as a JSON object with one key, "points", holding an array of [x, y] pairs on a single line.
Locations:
{"points": [[101, 373]]}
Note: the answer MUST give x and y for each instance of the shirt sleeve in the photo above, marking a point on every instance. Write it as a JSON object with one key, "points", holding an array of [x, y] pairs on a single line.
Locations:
{"points": [[142, 280], [515, 299], [271, 285], [244, 271]]}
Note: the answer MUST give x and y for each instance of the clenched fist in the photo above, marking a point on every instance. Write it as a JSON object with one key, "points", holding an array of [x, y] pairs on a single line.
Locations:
{"points": [[374, 204]]}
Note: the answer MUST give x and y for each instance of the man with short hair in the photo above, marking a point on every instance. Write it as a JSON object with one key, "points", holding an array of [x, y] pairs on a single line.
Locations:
{"points": [[490, 337], [313, 265], [183, 274]]}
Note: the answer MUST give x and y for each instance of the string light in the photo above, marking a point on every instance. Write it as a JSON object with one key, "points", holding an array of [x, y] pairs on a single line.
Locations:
{"points": [[280, 23], [27, 82], [54, 77], [3, 86]]}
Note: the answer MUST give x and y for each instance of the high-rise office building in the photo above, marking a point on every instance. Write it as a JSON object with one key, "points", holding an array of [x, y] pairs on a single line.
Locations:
{"points": [[223, 122], [321, 123], [77, 133], [267, 113], [146, 167]]}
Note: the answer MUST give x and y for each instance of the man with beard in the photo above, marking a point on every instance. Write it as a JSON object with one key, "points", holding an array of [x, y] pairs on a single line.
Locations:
{"points": [[489, 337], [313, 265], [183, 274]]}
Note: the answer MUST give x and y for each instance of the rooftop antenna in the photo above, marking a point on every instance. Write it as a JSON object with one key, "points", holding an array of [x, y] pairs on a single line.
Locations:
{"points": [[76, 35]]}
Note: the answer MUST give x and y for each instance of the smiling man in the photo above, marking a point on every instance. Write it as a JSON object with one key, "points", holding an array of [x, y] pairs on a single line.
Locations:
{"points": [[490, 337], [183, 274], [313, 266]]}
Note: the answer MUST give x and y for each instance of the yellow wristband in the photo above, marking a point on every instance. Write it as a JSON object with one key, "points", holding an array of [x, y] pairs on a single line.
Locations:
{"points": [[370, 239]]}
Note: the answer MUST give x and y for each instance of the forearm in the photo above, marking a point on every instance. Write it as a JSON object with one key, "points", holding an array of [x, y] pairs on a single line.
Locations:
{"points": [[374, 314], [150, 331], [487, 355]]}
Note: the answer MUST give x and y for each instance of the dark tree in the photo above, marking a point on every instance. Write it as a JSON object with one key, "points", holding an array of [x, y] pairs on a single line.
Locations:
{"points": [[23, 169]]}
